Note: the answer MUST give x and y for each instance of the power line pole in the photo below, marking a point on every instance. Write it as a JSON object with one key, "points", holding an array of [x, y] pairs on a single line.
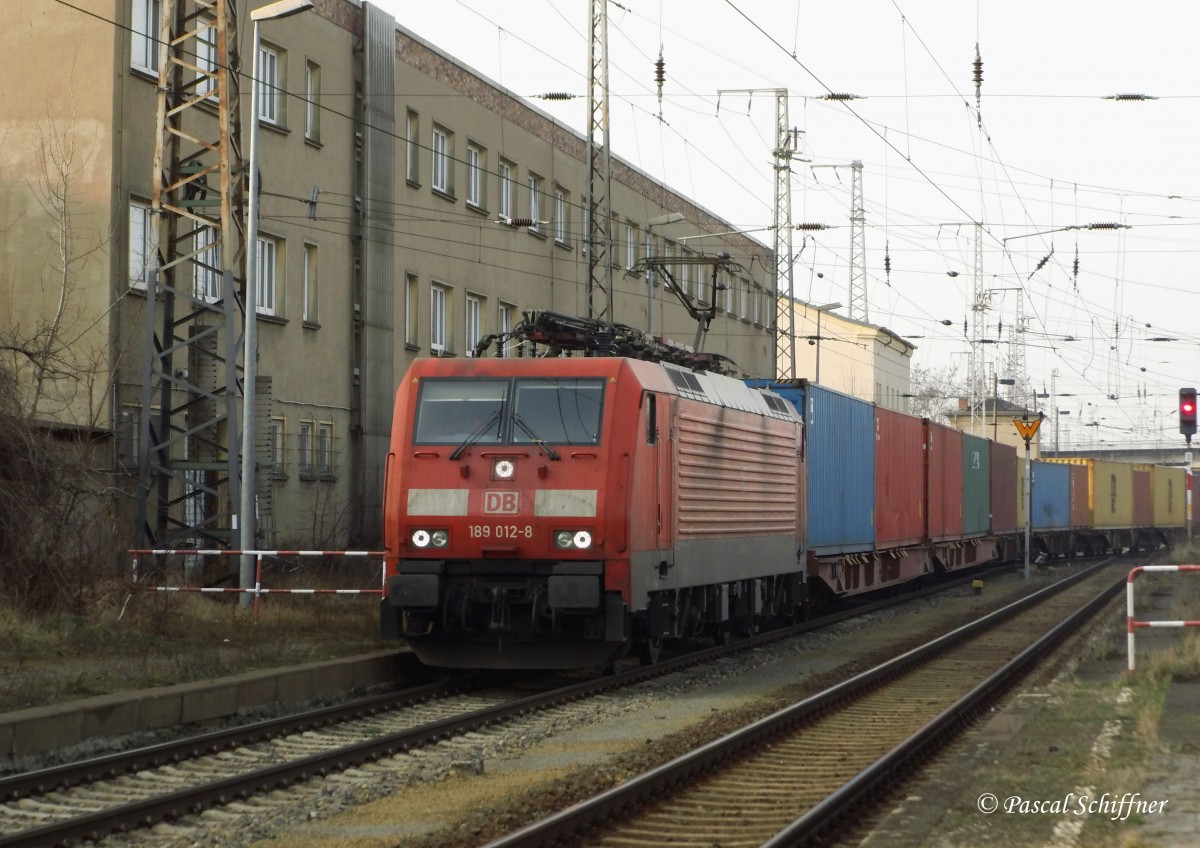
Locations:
{"points": [[188, 446], [857, 292], [786, 144], [858, 246], [599, 199]]}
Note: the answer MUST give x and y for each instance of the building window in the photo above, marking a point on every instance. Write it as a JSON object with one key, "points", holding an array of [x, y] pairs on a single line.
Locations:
{"points": [[535, 202], [275, 435], [507, 191], [312, 101], [270, 95], [206, 57], [304, 448], [413, 138], [437, 319], [411, 299], [504, 324], [268, 251], [696, 272], [325, 449], [442, 141], [561, 216], [143, 42], [143, 246], [474, 323], [476, 167], [631, 246], [207, 265], [310, 284], [668, 254]]}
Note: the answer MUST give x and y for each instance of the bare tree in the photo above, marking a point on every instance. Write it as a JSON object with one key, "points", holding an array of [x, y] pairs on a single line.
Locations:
{"points": [[55, 510], [935, 393]]}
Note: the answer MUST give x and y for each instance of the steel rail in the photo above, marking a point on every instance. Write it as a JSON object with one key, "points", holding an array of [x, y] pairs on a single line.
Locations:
{"points": [[577, 819], [195, 799]]}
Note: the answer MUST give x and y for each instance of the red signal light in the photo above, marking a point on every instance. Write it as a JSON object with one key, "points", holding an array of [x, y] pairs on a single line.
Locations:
{"points": [[1187, 412]]}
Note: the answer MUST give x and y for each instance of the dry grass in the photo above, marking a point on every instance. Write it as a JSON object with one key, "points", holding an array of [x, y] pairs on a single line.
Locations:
{"points": [[134, 639]]}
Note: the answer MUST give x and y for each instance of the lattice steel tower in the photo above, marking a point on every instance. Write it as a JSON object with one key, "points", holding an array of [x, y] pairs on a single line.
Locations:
{"points": [[188, 447], [858, 246], [599, 198]]}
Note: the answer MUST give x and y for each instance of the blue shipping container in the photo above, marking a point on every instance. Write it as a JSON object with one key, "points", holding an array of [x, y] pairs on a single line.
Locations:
{"points": [[1051, 496], [840, 434]]}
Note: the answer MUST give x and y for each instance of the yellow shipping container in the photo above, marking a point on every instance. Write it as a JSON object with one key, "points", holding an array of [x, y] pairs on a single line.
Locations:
{"points": [[1168, 486], [1110, 490]]}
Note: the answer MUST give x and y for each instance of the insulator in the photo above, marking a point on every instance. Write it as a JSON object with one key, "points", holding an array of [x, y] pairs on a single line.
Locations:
{"points": [[811, 228], [978, 65], [840, 95], [521, 222], [1130, 97], [1075, 267], [557, 95], [660, 70], [1104, 226], [887, 260]]}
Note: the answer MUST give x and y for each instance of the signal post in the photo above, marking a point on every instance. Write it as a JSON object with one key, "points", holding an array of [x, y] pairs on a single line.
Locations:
{"points": [[1028, 429], [1187, 426]]}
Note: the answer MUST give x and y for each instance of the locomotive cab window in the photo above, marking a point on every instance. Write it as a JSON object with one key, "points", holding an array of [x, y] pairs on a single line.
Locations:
{"points": [[564, 411], [558, 411], [451, 410]]}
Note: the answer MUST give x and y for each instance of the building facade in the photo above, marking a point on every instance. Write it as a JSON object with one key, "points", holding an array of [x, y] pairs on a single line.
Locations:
{"points": [[391, 177], [854, 357]]}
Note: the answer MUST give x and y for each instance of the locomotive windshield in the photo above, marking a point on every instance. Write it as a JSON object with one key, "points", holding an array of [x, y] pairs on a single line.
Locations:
{"points": [[523, 411]]}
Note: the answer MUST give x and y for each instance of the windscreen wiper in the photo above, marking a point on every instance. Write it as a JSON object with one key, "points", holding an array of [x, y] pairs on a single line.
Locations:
{"points": [[476, 434], [537, 440]]}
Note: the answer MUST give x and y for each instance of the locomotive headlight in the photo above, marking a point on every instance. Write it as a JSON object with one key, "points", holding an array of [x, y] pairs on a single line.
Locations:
{"points": [[504, 469], [568, 539], [430, 538]]}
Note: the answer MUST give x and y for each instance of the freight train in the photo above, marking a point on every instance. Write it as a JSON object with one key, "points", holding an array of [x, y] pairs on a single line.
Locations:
{"points": [[560, 512]]}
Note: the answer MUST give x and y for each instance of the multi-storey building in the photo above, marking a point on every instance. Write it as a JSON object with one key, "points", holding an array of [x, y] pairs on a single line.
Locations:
{"points": [[855, 357], [389, 174]]}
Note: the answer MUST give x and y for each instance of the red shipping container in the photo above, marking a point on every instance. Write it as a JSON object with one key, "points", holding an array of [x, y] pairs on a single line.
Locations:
{"points": [[1143, 498], [1081, 513], [943, 482], [1004, 489], [899, 479]]}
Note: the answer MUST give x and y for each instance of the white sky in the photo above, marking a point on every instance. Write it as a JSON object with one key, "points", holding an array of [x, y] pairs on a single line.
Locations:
{"points": [[1051, 153]]}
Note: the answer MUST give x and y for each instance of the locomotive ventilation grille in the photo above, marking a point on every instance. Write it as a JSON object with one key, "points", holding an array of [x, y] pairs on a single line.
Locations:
{"points": [[734, 479]]}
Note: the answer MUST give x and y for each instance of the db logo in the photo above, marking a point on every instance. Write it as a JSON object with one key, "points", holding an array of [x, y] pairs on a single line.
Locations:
{"points": [[500, 503]]}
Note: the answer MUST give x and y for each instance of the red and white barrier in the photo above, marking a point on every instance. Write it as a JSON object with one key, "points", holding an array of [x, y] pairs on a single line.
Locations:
{"points": [[258, 591], [1132, 623]]}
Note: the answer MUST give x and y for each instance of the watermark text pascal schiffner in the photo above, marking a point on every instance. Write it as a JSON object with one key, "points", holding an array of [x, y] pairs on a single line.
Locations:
{"points": [[1113, 806]]}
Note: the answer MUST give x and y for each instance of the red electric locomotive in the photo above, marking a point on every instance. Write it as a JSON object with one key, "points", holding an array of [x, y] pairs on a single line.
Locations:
{"points": [[556, 512]]}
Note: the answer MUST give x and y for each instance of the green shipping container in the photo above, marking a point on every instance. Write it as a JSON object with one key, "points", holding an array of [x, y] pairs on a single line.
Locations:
{"points": [[976, 486]]}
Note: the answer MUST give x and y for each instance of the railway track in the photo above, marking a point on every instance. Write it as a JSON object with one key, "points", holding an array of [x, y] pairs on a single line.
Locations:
{"points": [[796, 776], [163, 783]]}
